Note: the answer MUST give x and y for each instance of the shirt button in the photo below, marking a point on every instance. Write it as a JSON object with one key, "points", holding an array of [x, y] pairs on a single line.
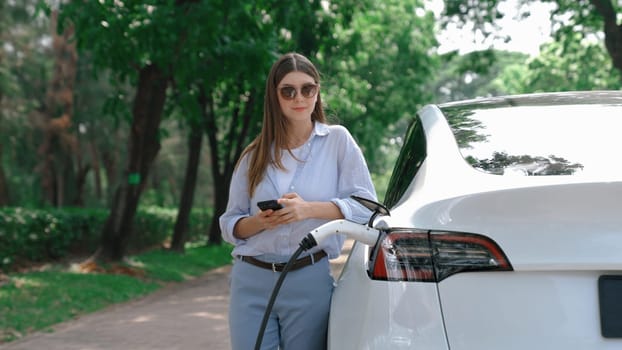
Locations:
{"points": [[292, 187]]}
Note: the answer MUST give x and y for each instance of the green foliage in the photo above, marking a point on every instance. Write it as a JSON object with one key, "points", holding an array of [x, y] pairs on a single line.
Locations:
{"points": [[370, 53], [465, 77], [378, 72], [38, 235], [376, 58], [512, 79], [576, 27], [576, 17], [199, 223], [464, 12], [125, 36], [578, 65], [381, 181], [24, 73], [33, 235]]}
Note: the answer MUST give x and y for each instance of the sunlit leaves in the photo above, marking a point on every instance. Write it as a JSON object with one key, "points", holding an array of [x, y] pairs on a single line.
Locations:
{"points": [[378, 73], [573, 65], [573, 22]]}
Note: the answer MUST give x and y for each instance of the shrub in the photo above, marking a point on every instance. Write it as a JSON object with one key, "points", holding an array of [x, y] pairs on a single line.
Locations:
{"points": [[39, 235]]}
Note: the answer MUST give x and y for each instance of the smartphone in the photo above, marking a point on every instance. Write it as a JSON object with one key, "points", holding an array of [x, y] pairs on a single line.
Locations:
{"points": [[269, 204]]}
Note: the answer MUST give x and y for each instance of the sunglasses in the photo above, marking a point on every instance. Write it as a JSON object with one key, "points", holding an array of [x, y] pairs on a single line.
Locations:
{"points": [[290, 92]]}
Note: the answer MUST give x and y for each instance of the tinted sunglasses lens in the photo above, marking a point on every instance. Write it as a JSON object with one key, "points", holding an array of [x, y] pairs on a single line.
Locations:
{"points": [[288, 92], [308, 91]]}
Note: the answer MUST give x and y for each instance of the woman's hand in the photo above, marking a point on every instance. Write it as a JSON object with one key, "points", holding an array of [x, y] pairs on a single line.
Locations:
{"points": [[294, 209], [266, 219], [252, 225]]}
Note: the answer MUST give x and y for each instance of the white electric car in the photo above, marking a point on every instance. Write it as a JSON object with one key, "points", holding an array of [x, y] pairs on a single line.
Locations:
{"points": [[505, 231]]}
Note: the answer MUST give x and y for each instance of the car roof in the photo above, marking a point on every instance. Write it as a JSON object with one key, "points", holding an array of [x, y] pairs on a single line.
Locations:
{"points": [[537, 99]]}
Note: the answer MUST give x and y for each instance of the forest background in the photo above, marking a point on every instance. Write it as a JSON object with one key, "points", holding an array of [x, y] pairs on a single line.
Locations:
{"points": [[124, 105]]}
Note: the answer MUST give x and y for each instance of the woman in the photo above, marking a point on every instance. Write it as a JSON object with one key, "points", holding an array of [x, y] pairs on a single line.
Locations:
{"points": [[311, 169]]}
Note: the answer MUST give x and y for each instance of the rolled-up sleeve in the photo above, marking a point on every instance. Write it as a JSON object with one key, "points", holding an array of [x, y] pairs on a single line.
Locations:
{"points": [[354, 179], [330, 168]]}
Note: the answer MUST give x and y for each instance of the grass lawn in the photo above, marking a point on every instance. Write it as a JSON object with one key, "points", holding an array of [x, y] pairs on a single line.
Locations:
{"points": [[37, 300]]}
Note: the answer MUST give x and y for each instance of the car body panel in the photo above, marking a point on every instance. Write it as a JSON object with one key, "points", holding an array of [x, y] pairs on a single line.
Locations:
{"points": [[559, 232], [567, 227], [523, 310], [376, 310]]}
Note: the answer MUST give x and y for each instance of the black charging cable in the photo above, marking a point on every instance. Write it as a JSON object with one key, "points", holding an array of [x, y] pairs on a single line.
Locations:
{"points": [[307, 243]]}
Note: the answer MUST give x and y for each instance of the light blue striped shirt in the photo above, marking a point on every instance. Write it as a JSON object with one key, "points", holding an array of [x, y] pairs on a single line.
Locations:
{"points": [[333, 169]]}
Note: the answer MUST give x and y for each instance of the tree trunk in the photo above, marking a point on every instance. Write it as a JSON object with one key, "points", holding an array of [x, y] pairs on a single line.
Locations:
{"points": [[221, 197], [110, 160], [143, 146], [172, 186], [4, 189], [613, 31], [96, 169], [187, 196], [59, 145], [83, 171], [223, 166]]}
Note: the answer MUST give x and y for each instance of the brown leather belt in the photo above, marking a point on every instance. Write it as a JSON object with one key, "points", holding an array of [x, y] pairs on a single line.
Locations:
{"points": [[278, 267]]}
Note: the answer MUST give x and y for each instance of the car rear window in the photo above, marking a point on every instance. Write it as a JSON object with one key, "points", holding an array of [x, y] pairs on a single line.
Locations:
{"points": [[408, 162], [542, 140]]}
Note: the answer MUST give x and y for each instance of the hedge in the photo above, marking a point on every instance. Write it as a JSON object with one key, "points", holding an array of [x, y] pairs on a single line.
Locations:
{"points": [[41, 235]]}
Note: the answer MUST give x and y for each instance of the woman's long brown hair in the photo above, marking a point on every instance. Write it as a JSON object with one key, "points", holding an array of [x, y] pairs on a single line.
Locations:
{"points": [[274, 128]]}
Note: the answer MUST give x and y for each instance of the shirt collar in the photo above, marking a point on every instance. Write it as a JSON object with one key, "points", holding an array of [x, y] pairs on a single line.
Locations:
{"points": [[321, 129]]}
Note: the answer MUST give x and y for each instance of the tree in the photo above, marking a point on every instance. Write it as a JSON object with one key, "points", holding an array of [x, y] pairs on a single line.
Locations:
{"points": [[207, 62], [571, 20], [24, 74], [495, 73], [356, 44], [52, 133], [217, 93], [139, 42], [98, 131], [503, 73], [59, 144], [195, 142], [231, 102], [4, 78], [576, 65], [379, 71]]}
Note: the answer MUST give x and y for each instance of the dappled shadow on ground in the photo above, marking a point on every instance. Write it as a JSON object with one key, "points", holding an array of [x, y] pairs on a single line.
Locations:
{"points": [[189, 315], [117, 269]]}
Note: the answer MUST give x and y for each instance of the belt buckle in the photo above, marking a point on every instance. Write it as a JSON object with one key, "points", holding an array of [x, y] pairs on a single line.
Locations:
{"points": [[278, 267]]}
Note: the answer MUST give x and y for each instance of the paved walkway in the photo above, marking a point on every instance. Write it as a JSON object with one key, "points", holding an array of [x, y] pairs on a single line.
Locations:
{"points": [[187, 316]]}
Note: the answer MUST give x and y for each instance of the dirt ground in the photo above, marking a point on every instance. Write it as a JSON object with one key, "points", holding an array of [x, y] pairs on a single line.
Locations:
{"points": [[185, 316]]}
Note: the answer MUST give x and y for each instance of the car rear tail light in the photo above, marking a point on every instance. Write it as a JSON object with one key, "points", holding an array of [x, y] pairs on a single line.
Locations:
{"points": [[414, 255]]}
